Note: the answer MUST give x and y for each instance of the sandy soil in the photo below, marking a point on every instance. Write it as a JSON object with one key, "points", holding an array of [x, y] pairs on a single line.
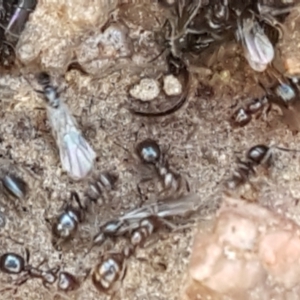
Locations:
{"points": [[203, 146]]}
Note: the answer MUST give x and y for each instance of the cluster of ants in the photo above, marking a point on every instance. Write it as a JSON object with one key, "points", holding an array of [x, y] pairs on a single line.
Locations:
{"points": [[13, 263], [136, 225], [255, 156], [139, 224], [284, 94]]}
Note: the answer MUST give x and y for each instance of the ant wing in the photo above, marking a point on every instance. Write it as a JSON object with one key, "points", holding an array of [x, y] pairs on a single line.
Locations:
{"points": [[165, 208], [76, 155], [178, 207]]}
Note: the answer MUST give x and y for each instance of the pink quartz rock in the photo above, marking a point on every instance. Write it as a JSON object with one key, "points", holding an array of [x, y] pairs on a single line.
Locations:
{"points": [[250, 253]]}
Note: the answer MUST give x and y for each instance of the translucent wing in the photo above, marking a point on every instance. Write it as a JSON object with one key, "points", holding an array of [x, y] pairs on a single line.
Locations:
{"points": [[165, 208], [20, 16], [76, 155], [130, 221], [258, 49]]}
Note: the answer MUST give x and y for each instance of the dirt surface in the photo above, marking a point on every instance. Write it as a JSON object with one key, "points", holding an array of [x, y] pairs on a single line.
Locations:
{"points": [[202, 145]]}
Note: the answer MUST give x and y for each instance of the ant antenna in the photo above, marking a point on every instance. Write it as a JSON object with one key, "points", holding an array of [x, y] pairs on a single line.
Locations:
{"points": [[8, 32]]}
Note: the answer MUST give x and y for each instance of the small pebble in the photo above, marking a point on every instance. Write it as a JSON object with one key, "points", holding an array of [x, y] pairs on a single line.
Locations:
{"points": [[225, 76], [172, 85], [147, 89]]}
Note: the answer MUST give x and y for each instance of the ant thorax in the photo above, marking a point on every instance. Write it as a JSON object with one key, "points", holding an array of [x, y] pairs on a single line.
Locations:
{"points": [[52, 96]]}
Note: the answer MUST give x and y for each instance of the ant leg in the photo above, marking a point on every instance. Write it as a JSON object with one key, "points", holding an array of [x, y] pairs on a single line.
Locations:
{"points": [[75, 196], [27, 255], [267, 158], [48, 219], [21, 280], [169, 224], [286, 149]]}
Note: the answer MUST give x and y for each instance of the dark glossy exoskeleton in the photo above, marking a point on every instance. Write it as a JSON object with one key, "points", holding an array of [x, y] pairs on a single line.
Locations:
{"points": [[67, 282], [255, 108], [257, 155], [7, 52], [64, 227], [15, 186], [51, 93], [109, 272], [48, 277], [138, 231], [149, 153], [13, 263], [167, 3], [194, 25], [285, 93], [140, 223], [44, 79], [105, 181], [146, 228], [19, 18], [218, 15], [109, 230], [241, 117]]}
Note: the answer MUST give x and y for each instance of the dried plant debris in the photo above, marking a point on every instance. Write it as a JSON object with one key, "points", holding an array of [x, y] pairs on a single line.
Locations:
{"points": [[13, 17], [195, 25], [17, 21], [190, 27]]}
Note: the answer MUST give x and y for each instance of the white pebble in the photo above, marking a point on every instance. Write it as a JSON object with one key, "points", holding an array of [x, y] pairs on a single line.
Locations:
{"points": [[172, 85], [147, 89]]}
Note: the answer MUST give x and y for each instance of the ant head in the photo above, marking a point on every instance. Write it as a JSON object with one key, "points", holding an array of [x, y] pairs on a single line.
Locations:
{"points": [[43, 78], [148, 151]]}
